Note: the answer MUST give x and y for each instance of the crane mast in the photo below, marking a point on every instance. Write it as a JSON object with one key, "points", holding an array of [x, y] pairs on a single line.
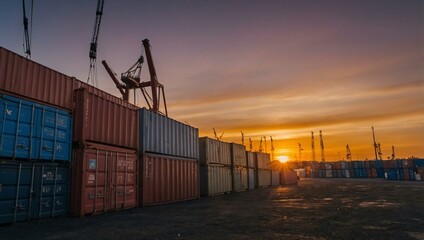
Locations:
{"points": [[313, 146], [93, 44], [348, 153], [27, 31], [272, 149], [322, 146]]}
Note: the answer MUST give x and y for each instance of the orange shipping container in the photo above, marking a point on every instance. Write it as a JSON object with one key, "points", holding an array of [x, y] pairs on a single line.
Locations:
{"points": [[104, 178], [105, 120], [168, 179]]}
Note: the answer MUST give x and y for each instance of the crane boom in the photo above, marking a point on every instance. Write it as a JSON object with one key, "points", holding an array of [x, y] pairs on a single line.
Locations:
{"points": [[93, 45], [322, 146], [27, 37], [153, 77]]}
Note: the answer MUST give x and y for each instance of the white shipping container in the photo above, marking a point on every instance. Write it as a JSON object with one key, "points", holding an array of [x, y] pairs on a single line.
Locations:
{"points": [[251, 159], [240, 179], [264, 177], [215, 179], [263, 160], [163, 135], [238, 155], [214, 151]]}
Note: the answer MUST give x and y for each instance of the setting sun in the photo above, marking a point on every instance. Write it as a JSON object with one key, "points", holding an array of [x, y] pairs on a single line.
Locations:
{"points": [[283, 159]]}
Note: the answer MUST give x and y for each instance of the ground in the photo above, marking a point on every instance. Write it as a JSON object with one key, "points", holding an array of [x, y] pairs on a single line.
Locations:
{"points": [[313, 209]]}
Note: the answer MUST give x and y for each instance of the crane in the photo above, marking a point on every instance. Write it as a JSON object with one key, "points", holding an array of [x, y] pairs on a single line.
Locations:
{"points": [[260, 146], [242, 138], [348, 153], [380, 154], [272, 149], [313, 146], [250, 145], [322, 146], [93, 45], [130, 80], [300, 151], [216, 136], [375, 143], [27, 31]]}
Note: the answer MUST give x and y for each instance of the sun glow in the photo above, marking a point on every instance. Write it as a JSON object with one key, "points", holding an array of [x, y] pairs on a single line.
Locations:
{"points": [[283, 159]]}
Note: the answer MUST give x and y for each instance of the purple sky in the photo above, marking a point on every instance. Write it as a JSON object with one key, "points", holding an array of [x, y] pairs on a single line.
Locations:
{"points": [[280, 68]]}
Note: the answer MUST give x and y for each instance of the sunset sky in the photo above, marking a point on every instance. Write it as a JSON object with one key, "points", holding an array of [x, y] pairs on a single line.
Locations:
{"points": [[269, 68]]}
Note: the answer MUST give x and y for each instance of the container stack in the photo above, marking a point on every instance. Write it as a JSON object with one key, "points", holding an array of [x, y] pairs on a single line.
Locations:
{"points": [[252, 169], [215, 167], [263, 175], [239, 167], [169, 151], [35, 145], [104, 166]]}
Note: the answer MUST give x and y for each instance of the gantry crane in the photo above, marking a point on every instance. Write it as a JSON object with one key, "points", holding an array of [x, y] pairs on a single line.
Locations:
{"points": [[313, 146], [130, 80], [348, 153], [322, 146], [272, 148], [375, 143], [93, 45], [27, 31]]}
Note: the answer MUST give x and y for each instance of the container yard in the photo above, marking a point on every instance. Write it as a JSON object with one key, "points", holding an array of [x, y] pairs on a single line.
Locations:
{"points": [[228, 151]]}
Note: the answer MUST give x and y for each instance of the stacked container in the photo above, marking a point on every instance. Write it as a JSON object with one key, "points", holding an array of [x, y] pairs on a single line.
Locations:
{"points": [[169, 151], [263, 175], [215, 167], [251, 169], [239, 167], [104, 166], [35, 143]]}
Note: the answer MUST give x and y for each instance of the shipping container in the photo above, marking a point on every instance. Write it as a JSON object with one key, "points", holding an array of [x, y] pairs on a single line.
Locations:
{"points": [[163, 135], [252, 178], [238, 155], [31, 190], [263, 177], [288, 177], [214, 151], [251, 159], [275, 178], [240, 181], [215, 179], [263, 160], [33, 131], [104, 178], [328, 173], [167, 179], [103, 121], [418, 162]]}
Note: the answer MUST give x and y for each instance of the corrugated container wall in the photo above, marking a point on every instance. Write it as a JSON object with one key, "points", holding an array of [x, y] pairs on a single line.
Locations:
{"points": [[33, 131], [215, 179], [288, 177], [168, 179], [251, 159], [264, 178], [33, 190], [240, 179], [275, 178], [214, 151], [163, 135], [263, 160], [251, 178], [101, 120], [104, 178], [29, 79], [238, 155]]}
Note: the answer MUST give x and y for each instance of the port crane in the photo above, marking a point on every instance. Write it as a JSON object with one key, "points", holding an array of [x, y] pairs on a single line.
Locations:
{"points": [[393, 153], [27, 30], [93, 45], [322, 146], [272, 148], [131, 80], [313, 146], [348, 153]]}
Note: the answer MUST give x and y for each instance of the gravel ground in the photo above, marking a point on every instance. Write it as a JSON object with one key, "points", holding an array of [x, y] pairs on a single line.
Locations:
{"points": [[313, 209]]}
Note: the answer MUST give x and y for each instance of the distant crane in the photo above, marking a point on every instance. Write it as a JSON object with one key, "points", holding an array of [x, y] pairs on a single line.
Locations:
{"points": [[250, 145], [322, 146], [272, 149], [260, 146], [130, 80], [393, 153], [313, 146], [27, 31], [266, 149], [348, 153], [375, 144], [92, 74], [216, 136], [300, 151], [380, 154], [242, 138]]}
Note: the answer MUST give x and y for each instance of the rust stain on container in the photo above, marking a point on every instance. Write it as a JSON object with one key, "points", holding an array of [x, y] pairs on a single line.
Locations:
{"points": [[104, 178], [103, 120], [168, 179]]}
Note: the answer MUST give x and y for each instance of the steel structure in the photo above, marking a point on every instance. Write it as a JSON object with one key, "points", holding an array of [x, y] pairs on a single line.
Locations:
{"points": [[27, 31], [93, 44], [322, 146], [313, 146], [348, 153], [374, 144]]}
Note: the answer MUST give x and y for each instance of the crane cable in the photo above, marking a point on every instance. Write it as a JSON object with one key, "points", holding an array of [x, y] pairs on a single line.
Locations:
{"points": [[27, 36]]}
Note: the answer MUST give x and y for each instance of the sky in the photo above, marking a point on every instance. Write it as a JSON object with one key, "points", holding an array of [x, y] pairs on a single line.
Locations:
{"points": [[268, 68]]}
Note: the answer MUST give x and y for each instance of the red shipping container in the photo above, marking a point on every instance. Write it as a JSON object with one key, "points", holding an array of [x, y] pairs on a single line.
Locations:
{"points": [[103, 120], [288, 177], [104, 178], [168, 179]]}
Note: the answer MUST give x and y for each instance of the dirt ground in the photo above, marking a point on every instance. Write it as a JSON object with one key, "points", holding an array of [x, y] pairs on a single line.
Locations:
{"points": [[314, 209]]}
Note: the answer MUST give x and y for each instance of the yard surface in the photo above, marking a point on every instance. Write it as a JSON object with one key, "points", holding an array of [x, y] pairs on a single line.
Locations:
{"points": [[313, 209]]}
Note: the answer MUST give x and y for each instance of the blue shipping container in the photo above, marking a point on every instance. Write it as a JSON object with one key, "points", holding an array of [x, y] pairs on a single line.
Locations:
{"points": [[33, 190], [33, 131], [418, 162]]}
